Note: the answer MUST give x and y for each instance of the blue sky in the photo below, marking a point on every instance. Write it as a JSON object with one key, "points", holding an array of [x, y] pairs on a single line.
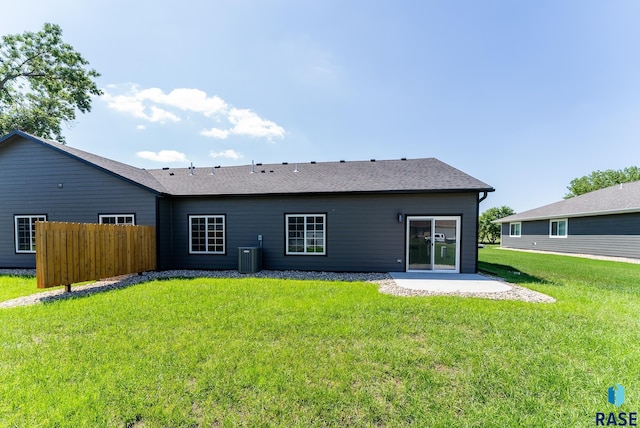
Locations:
{"points": [[524, 95]]}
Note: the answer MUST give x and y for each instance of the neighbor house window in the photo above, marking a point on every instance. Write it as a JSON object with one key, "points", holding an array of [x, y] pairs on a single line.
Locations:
{"points": [[25, 228], [514, 229], [116, 219], [206, 234], [558, 228], [306, 233]]}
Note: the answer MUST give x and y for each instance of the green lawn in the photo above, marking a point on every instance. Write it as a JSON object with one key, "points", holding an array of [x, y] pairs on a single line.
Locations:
{"points": [[17, 286], [259, 352]]}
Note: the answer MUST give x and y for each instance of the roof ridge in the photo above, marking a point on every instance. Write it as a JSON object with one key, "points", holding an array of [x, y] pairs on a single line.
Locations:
{"points": [[285, 163]]}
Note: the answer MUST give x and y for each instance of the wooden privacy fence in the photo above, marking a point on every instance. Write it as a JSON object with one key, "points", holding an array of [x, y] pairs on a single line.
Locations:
{"points": [[67, 253]]}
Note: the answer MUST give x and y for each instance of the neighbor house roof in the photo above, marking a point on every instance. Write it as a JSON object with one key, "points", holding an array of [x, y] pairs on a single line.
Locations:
{"points": [[399, 176], [618, 199]]}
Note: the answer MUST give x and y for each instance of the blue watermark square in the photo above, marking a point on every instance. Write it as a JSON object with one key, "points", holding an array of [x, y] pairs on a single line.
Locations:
{"points": [[616, 395]]}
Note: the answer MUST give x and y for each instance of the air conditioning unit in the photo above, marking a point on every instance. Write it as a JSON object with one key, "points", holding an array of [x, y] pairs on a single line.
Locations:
{"points": [[249, 259]]}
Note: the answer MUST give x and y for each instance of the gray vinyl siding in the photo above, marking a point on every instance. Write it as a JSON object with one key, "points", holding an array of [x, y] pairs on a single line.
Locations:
{"points": [[30, 174], [165, 233], [362, 231], [611, 235]]}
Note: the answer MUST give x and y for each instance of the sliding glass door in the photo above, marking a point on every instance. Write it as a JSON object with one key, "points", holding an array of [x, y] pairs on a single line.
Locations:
{"points": [[433, 244], [419, 242]]}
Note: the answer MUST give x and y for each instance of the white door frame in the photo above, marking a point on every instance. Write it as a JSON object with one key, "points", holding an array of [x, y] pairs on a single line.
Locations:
{"points": [[433, 219]]}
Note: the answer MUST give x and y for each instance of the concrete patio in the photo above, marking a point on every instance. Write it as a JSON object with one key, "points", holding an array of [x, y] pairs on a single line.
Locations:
{"points": [[449, 282]]}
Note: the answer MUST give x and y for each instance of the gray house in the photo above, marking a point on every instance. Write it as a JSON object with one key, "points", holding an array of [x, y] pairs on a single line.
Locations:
{"points": [[378, 216], [605, 222]]}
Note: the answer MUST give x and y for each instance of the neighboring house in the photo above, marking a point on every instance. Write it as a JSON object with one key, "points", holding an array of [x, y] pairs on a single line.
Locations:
{"points": [[376, 216], [604, 222]]}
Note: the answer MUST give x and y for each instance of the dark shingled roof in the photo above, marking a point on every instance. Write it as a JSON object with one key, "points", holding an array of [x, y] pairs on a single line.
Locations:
{"points": [[412, 175], [618, 199]]}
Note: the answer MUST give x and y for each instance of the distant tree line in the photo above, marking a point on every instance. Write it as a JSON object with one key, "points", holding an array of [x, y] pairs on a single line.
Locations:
{"points": [[601, 179], [487, 230]]}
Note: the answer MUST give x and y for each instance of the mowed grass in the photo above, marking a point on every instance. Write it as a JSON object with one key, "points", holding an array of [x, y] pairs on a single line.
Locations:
{"points": [[12, 286], [260, 352]]}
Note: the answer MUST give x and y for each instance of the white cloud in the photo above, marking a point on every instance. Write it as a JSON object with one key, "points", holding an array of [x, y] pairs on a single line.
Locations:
{"points": [[215, 133], [160, 115], [156, 106], [135, 107], [185, 99], [141, 127], [249, 123], [124, 104], [163, 156], [229, 154]]}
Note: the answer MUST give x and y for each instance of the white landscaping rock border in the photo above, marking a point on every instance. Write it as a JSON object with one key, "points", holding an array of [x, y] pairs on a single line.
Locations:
{"points": [[385, 283], [516, 293]]}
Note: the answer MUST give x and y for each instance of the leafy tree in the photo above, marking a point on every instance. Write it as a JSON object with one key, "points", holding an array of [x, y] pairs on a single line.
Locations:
{"points": [[42, 82], [488, 231], [601, 179]]}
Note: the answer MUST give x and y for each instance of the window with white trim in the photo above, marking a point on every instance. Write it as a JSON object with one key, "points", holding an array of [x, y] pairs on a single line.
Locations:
{"points": [[116, 219], [558, 228], [515, 230], [25, 232], [206, 234], [306, 234]]}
